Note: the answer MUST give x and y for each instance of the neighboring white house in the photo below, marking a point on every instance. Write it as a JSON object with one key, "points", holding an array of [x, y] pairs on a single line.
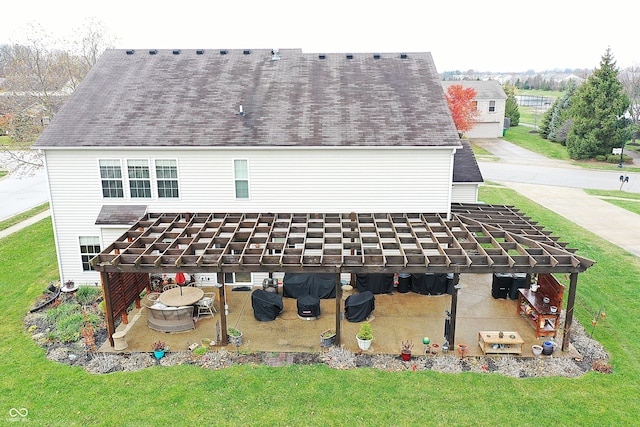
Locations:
{"points": [[490, 102], [248, 131]]}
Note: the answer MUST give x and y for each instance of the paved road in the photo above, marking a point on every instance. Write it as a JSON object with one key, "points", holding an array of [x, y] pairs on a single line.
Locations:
{"points": [[20, 194], [558, 186]]}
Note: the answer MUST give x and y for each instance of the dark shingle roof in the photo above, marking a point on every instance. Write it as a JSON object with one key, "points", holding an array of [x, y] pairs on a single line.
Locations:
{"points": [[485, 89], [120, 214], [465, 166], [193, 99]]}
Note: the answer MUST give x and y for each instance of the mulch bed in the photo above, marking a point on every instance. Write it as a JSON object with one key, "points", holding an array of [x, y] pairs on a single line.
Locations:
{"points": [[79, 353]]}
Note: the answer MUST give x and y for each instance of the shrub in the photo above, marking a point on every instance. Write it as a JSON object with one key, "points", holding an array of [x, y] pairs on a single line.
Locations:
{"points": [[88, 294], [366, 331]]}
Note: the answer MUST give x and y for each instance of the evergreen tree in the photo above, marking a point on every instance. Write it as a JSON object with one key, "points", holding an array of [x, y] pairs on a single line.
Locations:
{"points": [[560, 115], [511, 106], [595, 111]]}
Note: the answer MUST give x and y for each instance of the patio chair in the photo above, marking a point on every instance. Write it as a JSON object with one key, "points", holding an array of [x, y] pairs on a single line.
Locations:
{"points": [[167, 287], [206, 305]]}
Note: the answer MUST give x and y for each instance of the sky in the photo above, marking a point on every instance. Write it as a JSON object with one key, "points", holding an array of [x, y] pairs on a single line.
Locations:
{"points": [[496, 36]]}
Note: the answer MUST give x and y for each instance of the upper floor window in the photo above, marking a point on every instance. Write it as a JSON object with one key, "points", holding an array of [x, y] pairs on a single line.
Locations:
{"points": [[492, 106], [167, 178], [139, 180], [241, 176], [111, 177], [475, 105], [89, 248]]}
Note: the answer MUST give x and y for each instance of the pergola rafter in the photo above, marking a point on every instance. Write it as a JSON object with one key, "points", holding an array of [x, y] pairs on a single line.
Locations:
{"points": [[474, 238]]}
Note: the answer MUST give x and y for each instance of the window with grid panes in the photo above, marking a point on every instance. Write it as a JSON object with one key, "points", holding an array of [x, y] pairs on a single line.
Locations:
{"points": [[89, 248], [111, 178], [139, 179], [167, 178]]}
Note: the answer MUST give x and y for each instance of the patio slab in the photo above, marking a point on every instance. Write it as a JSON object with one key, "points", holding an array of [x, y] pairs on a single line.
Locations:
{"points": [[397, 317]]}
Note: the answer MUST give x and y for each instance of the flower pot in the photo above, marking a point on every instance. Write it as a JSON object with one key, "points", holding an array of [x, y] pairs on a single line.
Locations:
{"points": [[537, 349], [363, 344], [327, 340], [158, 354], [462, 348], [235, 340], [406, 356]]}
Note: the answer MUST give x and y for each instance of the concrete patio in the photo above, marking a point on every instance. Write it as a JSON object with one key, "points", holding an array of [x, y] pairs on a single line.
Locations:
{"points": [[397, 317]]}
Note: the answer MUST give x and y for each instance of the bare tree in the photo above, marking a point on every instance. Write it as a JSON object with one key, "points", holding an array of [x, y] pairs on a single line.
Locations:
{"points": [[38, 79], [630, 79]]}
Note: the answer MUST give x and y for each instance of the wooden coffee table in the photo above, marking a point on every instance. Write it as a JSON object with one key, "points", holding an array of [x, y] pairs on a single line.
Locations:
{"points": [[510, 343]]}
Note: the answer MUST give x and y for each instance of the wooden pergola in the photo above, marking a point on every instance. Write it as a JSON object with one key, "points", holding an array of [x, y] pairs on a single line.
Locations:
{"points": [[474, 238]]}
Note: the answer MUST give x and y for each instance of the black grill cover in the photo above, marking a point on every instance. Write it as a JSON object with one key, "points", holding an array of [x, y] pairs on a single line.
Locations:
{"points": [[429, 284], [358, 307], [321, 285], [376, 283], [266, 305], [308, 306]]}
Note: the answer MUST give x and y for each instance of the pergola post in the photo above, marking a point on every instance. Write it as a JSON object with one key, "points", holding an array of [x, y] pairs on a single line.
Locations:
{"points": [[108, 309], [223, 309], [454, 309], [338, 307], [568, 317]]}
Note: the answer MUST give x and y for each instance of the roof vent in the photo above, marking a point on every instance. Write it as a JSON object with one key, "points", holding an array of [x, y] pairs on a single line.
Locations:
{"points": [[404, 56], [246, 51], [130, 51], [176, 51], [376, 56], [199, 51], [153, 51], [224, 52], [349, 56], [275, 54], [322, 56], [241, 111]]}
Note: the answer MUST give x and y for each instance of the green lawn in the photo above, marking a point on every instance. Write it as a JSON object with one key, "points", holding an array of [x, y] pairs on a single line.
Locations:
{"points": [[24, 215], [59, 395], [523, 136]]}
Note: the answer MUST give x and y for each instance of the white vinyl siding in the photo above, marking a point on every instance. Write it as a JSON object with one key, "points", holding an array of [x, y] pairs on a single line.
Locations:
{"points": [[341, 180], [139, 179], [111, 176], [241, 178]]}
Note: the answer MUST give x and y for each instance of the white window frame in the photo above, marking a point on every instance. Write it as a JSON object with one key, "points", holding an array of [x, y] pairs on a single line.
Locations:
{"points": [[139, 165], [237, 179], [104, 180], [88, 241], [171, 179], [492, 106]]}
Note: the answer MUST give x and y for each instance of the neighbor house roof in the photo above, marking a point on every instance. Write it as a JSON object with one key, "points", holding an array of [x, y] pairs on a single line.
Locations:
{"points": [[485, 89], [195, 97]]}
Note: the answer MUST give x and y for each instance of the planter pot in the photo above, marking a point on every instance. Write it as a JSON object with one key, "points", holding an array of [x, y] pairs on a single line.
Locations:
{"points": [[327, 341], [537, 349], [363, 344], [237, 341], [159, 354], [406, 356], [462, 348], [548, 347]]}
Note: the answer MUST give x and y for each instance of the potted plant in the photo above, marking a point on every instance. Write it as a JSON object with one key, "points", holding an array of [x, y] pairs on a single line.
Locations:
{"points": [[235, 336], [405, 353], [158, 347], [328, 338], [365, 336]]}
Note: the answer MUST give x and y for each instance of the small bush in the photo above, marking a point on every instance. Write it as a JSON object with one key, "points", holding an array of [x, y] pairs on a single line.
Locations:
{"points": [[601, 158], [200, 351], [88, 294]]}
